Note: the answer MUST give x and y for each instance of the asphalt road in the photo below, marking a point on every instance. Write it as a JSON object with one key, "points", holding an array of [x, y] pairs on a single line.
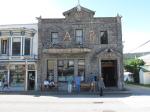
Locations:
{"points": [[138, 90], [136, 102]]}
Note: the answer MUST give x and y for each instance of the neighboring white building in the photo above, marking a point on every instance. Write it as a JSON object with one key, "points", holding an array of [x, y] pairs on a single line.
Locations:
{"points": [[18, 56], [146, 59], [144, 73]]}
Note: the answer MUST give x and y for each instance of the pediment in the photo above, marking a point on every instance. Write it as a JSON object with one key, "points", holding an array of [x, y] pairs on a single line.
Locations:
{"points": [[79, 12]]}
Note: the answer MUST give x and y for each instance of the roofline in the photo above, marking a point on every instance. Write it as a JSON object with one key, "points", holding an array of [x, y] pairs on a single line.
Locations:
{"points": [[88, 10], [18, 24]]}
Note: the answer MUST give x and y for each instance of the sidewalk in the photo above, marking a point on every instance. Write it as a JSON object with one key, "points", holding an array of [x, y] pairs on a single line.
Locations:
{"points": [[106, 92]]}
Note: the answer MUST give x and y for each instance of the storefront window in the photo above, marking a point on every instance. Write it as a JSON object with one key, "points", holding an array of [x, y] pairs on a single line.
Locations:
{"points": [[81, 69], [65, 69], [50, 70], [17, 75]]}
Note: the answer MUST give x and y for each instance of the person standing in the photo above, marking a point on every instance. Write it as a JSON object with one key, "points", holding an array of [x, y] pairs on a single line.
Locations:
{"points": [[5, 84], [70, 85], [77, 83], [101, 85], [93, 84]]}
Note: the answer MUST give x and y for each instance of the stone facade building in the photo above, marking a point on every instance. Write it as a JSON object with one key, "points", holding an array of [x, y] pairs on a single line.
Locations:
{"points": [[80, 44], [18, 56]]}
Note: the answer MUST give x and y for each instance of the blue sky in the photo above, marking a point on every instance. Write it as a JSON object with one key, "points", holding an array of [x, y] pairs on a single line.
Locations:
{"points": [[135, 13]]}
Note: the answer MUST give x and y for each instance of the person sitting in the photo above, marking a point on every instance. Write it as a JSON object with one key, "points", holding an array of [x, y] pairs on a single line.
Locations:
{"points": [[51, 84], [46, 83]]}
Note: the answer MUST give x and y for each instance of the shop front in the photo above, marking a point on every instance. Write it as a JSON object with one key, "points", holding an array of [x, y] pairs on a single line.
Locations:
{"points": [[19, 76], [65, 70]]}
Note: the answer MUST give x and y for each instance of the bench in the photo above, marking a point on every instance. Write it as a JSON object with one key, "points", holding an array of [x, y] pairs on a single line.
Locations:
{"points": [[85, 86]]}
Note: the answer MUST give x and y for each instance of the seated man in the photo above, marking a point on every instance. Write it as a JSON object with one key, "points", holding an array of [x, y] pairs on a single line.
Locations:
{"points": [[46, 83], [51, 84]]}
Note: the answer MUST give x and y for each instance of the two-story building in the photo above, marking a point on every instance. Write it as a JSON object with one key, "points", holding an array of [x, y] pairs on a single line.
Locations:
{"points": [[80, 44], [18, 53]]}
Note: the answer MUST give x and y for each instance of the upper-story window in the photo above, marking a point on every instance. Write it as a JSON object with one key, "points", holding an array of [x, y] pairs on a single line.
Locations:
{"points": [[22, 33], [4, 47], [16, 46], [103, 37], [79, 36], [54, 38], [27, 46]]}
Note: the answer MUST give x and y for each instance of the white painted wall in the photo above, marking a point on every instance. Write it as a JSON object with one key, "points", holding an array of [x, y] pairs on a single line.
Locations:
{"points": [[144, 77], [141, 76], [147, 78]]}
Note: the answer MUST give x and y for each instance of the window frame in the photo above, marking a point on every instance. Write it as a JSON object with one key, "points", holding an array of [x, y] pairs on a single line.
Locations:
{"points": [[4, 46], [104, 37], [79, 39], [54, 40], [64, 67], [19, 53], [29, 48], [79, 68]]}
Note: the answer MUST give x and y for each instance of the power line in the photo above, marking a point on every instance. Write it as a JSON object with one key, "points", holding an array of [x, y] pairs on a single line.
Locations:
{"points": [[140, 45]]}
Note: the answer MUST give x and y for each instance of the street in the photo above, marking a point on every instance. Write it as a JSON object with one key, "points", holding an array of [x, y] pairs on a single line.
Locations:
{"points": [[138, 101]]}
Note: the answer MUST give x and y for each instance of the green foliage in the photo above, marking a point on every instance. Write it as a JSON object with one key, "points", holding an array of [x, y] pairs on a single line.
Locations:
{"points": [[133, 65]]}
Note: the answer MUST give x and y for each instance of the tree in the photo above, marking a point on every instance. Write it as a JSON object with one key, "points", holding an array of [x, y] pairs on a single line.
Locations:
{"points": [[133, 65]]}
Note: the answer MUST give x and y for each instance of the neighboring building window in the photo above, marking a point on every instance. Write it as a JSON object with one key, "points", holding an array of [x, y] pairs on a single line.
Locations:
{"points": [[16, 46], [104, 37], [79, 36], [27, 46], [4, 46], [65, 70], [54, 38], [81, 69]]}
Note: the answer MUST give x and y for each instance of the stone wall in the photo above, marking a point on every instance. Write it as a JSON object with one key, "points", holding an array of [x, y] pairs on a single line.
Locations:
{"points": [[88, 23]]}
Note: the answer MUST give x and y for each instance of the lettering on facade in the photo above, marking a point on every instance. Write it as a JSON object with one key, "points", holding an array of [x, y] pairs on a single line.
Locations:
{"points": [[67, 37]]}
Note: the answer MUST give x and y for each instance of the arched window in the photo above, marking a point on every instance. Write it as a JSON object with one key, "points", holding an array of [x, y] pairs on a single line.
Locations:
{"points": [[103, 37]]}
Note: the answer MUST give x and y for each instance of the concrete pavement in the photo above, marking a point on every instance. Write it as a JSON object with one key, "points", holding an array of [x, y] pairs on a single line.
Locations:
{"points": [[75, 103]]}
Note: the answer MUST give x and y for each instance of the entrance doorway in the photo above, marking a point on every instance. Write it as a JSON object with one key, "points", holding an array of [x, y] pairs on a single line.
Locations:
{"points": [[109, 72], [31, 80]]}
